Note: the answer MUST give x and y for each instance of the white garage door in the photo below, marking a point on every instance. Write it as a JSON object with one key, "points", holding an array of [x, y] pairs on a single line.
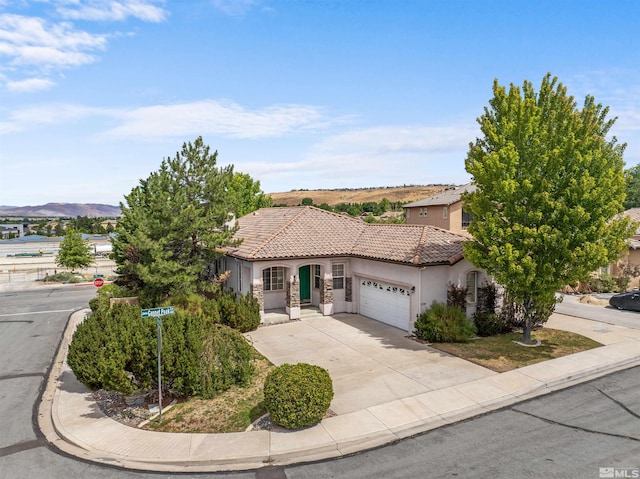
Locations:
{"points": [[385, 302]]}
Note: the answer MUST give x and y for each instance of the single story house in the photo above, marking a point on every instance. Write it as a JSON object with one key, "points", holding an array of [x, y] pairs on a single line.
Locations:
{"points": [[296, 256], [443, 210]]}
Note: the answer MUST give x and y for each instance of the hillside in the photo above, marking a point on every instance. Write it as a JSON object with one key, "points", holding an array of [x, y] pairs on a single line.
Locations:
{"points": [[61, 210], [404, 194]]}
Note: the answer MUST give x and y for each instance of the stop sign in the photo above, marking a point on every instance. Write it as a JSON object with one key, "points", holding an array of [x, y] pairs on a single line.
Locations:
{"points": [[98, 282]]}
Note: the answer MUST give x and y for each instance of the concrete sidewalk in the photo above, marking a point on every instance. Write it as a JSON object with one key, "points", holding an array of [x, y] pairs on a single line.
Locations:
{"points": [[72, 421]]}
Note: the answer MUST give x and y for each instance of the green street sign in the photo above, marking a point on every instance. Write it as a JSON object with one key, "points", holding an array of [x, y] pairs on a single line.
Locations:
{"points": [[157, 312], [98, 276]]}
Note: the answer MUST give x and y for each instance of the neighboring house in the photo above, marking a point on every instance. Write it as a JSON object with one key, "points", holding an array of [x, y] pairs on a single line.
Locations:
{"points": [[109, 223], [11, 231], [631, 259], [443, 210], [296, 256]]}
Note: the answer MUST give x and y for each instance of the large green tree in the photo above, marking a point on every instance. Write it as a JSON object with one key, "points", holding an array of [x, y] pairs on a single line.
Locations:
{"points": [[74, 252], [173, 223], [549, 187], [247, 195]]}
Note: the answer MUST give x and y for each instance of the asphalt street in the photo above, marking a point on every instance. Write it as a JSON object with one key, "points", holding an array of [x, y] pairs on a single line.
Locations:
{"points": [[571, 306], [568, 434]]}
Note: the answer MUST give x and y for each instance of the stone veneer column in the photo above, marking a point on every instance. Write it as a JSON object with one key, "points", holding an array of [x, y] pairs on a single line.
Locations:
{"points": [[348, 293], [326, 295], [293, 297], [257, 291]]}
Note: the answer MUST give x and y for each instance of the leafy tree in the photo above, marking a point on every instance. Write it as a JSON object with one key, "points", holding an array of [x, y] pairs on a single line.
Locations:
{"points": [[549, 187], [247, 195], [172, 224], [307, 201], [74, 251], [633, 187]]}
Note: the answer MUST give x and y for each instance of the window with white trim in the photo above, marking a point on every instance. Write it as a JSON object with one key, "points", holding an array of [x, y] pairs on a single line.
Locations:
{"points": [[472, 286], [316, 276], [337, 271], [273, 278], [445, 212], [423, 212]]}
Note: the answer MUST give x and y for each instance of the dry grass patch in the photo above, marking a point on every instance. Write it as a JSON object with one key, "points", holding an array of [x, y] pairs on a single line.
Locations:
{"points": [[406, 194], [232, 411], [501, 354], [588, 299]]}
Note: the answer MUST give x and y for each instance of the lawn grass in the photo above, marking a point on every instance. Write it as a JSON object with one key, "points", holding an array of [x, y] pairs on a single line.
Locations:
{"points": [[501, 354], [231, 411]]}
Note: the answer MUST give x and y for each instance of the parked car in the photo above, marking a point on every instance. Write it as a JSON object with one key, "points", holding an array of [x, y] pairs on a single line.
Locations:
{"points": [[629, 300]]}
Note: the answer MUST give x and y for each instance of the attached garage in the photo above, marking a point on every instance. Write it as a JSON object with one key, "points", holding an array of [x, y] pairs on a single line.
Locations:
{"points": [[385, 302]]}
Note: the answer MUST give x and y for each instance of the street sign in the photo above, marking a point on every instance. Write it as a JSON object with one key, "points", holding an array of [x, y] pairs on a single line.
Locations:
{"points": [[98, 282], [98, 276], [157, 312]]}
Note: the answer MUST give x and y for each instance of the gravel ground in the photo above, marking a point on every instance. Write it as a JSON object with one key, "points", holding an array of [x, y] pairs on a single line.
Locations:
{"points": [[128, 410]]}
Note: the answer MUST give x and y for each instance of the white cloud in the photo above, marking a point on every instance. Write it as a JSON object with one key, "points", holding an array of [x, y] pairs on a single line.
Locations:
{"points": [[377, 156], [101, 10], [29, 85], [235, 7], [35, 42], [54, 113], [206, 117], [222, 118]]}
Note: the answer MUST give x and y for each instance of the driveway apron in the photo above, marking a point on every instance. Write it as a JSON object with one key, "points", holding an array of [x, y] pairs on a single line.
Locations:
{"points": [[370, 362]]}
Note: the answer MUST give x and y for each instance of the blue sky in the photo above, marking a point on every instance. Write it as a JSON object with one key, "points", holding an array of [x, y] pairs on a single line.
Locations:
{"points": [[297, 93]]}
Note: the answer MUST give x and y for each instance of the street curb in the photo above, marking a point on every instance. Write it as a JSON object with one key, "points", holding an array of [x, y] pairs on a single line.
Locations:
{"points": [[276, 451]]}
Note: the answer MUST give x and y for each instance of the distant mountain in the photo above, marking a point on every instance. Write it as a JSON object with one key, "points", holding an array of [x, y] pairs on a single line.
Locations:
{"points": [[67, 210]]}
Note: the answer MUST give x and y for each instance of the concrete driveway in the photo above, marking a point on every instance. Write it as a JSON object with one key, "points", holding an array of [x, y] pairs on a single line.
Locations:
{"points": [[370, 363]]}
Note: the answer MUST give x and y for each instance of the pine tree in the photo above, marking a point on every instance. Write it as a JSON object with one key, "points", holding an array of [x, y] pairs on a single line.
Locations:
{"points": [[172, 226]]}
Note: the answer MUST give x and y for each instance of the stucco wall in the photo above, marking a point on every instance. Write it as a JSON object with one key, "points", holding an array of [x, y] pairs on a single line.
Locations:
{"points": [[430, 282]]}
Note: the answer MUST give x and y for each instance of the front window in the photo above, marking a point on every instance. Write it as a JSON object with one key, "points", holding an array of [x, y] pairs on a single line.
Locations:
{"points": [[316, 276], [273, 278], [337, 270], [472, 286]]}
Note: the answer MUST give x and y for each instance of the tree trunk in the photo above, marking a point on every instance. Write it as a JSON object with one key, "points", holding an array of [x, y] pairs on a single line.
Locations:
{"points": [[528, 323]]}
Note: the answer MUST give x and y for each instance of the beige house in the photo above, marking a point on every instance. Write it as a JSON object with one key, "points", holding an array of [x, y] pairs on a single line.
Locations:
{"points": [[631, 259], [443, 210], [297, 256]]}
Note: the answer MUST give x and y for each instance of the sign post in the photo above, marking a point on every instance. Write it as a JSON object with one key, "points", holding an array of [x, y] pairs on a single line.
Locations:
{"points": [[159, 323], [158, 313]]}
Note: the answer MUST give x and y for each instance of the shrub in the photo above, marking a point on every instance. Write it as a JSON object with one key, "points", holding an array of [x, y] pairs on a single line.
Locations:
{"points": [[441, 323], [242, 313], [604, 284], [116, 349], [101, 301], [457, 296], [490, 324], [298, 395]]}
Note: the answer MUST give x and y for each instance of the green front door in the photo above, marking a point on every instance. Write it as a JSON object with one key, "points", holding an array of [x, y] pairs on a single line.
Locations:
{"points": [[305, 284]]}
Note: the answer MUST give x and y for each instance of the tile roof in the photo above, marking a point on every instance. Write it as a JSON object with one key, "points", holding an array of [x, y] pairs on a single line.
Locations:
{"points": [[447, 197], [634, 215], [307, 232]]}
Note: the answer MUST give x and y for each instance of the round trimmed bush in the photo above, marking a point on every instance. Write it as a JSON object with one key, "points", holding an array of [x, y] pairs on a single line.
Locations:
{"points": [[298, 395]]}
